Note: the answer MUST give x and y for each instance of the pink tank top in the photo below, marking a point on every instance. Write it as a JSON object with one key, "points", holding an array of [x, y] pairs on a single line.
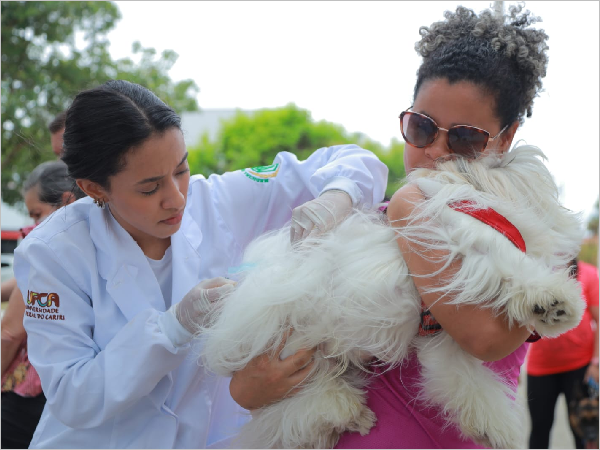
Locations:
{"points": [[402, 423]]}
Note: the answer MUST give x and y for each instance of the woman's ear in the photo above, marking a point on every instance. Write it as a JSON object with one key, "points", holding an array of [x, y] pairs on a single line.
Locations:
{"points": [[508, 136], [92, 189], [67, 198]]}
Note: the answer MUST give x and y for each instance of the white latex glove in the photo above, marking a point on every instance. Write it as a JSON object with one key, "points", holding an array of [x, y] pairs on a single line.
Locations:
{"points": [[190, 311], [321, 214]]}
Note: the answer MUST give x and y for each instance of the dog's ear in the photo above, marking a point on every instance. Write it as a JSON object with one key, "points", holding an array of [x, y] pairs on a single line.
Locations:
{"points": [[574, 420], [578, 393]]}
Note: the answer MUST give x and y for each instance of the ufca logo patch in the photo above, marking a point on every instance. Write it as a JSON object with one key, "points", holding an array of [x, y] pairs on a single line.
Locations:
{"points": [[44, 306]]}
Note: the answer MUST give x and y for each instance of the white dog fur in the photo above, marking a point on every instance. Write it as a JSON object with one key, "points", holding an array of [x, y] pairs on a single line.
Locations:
{"points": [[349, 293]]}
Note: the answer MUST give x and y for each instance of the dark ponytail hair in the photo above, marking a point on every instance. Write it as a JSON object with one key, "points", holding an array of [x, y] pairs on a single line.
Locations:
{"points": [[104, 123], [52, 180]]}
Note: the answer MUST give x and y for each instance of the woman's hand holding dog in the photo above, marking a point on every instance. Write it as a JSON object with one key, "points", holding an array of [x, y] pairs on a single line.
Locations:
{"points": [[320, 215], [268, 379], [592, 372]]}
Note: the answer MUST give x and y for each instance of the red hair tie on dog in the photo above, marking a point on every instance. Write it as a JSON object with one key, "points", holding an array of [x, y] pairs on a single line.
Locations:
{"points": [[494, 219]]}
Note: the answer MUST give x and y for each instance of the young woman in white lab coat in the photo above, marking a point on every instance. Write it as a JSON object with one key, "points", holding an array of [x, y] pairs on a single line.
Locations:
{"points": [[115, 283]]}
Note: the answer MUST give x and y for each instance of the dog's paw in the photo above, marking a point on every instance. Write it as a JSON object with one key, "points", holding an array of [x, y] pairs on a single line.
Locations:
{"points": [[555, 315], [545, 298], [363, 422], [552, 304], [495, 435], [331, 440], [497, 442], [551, 312], [490, 417], [504, 441]]}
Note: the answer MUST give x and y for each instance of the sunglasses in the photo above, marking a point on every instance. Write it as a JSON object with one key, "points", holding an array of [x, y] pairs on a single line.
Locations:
{"points": [[421, 131]]}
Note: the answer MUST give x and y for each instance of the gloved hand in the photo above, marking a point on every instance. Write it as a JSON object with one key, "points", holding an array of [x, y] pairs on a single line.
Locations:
{"points": [[194, 306], [320, 214]]}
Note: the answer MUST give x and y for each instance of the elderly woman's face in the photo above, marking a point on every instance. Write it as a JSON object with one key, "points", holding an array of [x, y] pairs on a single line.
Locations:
{"points": [[38, 210]]}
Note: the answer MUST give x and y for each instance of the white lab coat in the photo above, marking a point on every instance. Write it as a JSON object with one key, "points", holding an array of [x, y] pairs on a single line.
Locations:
{"points": [[116, 370]]}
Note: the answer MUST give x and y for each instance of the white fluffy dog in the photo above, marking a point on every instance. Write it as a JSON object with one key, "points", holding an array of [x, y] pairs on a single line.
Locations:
{"points": [[349, 293]]}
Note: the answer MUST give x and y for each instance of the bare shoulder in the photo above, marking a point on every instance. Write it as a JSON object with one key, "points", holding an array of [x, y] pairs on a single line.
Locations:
{"points": [[403, 202]]}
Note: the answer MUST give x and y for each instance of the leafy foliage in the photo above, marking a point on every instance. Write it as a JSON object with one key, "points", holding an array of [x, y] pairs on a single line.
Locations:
{"points": [[43, 68], [589, 251], [250, 140]]}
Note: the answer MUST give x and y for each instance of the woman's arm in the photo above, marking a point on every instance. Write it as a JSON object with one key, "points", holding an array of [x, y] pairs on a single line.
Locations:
{"points": [[8, 287], [478, 331], [13, 332], [265, 197], [589, 285], [592, 370]]}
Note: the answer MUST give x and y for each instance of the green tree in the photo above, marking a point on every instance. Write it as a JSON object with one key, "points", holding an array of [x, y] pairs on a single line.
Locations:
{"points": [[253, 139], [43, 69], [393, 158], [152, 72]]}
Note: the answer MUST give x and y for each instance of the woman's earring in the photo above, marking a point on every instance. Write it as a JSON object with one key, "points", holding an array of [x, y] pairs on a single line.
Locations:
{"points": [[100, 203]]}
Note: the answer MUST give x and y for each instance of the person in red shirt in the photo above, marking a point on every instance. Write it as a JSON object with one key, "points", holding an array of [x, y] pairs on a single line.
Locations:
{"points": [[555, 366]]}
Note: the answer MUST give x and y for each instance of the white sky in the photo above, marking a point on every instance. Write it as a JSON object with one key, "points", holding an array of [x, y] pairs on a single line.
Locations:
{"points": [[353, 63]]}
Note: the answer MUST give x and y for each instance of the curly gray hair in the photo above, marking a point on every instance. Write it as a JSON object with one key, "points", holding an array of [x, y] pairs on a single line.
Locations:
{"points": [[499, 53]]}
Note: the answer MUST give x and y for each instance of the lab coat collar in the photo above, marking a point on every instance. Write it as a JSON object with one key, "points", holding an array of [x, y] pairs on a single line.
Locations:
{"points": [[129, 278], [121, 262], [186, 257]]}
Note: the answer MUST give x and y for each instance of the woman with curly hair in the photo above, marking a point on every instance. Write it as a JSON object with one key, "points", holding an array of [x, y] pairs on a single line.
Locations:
{"points": [[478, 79]]}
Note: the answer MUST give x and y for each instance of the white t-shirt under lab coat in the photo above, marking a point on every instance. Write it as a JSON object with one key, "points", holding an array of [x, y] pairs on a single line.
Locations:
{"points": [[164, 275], [119, 372]]}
